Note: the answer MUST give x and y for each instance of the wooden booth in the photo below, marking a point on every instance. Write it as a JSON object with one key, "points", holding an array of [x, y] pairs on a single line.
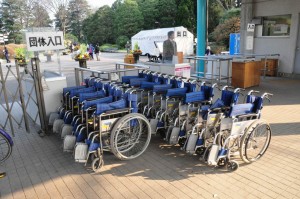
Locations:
{"points": [[246, 73]]}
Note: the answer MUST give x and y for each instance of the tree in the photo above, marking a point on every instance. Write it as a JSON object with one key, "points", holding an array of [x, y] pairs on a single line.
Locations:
{"points": [[128, 19], [215, 12], [184, 15], [223, 30], [61, 18], [78, 10], [59, 9], [166, 10], [98, 26], [234, 12], [11, 20], [229, 4], [40, 16], [148, 9]]}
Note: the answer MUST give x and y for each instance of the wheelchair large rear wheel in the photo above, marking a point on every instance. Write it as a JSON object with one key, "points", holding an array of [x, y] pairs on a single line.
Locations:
{"points": [[5, 148], [130, 136], [255, 141]]}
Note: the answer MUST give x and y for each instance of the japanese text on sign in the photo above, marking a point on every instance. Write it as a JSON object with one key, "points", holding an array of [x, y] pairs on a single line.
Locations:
{"points": [[38, 41]]}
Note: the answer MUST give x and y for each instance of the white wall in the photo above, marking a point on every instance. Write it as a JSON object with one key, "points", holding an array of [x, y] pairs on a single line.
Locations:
{"points": [[285, 46]]}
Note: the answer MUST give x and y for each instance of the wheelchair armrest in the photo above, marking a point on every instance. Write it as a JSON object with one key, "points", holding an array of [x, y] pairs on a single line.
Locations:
{"points": [[250, 115], [222, 109], [117, 111]]}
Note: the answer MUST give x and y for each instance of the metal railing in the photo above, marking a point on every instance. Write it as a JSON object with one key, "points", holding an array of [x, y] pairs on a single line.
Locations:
{"points": [[225, 61], [81, 73], [216, 63]]}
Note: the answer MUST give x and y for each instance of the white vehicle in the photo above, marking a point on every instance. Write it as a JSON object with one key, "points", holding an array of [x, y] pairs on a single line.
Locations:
{"points": [[151, 41]]}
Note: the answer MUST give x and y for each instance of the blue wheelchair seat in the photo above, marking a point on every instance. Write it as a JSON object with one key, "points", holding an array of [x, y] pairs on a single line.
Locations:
{"points": [[241, 109]]}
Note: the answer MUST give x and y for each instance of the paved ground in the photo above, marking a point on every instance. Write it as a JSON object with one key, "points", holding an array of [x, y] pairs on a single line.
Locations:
{"points": [[39, 169]]}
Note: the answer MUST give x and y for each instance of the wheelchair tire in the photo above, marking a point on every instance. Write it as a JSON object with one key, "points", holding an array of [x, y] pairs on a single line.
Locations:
{"points": [[52, 117], [97, 164], [57, 124], [130, 136], [232, 165], [5, 148], [255, 141]]}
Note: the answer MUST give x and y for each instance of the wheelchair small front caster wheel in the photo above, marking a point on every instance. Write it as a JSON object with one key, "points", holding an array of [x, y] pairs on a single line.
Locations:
{"points": [[181, 141], [162, 132], [222, 162], [97, 164], [232, 166], [200, 150]]}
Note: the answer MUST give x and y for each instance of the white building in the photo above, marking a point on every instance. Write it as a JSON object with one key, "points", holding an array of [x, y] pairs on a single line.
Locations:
{"points": [[277, 30]]}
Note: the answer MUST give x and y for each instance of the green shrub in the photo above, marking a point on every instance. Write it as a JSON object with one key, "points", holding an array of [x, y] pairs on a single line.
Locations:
{"points": [[121, 41], [106, 47]]}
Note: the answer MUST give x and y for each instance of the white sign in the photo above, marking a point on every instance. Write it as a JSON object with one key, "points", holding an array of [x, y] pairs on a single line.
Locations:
{"points": [[250, 27], [38, 41], [249, 43]]}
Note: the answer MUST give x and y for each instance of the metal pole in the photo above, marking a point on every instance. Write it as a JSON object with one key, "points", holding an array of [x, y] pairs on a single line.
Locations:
{"points": [[39, 95], [201, 32], [77, 81], [58, 60], [6, 101], [265, 66], [21, 93]]}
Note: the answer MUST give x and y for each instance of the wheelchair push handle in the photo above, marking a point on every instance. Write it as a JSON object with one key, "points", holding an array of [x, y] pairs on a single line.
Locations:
{"points": [[267, 96], [227, 87], [252, 92]]}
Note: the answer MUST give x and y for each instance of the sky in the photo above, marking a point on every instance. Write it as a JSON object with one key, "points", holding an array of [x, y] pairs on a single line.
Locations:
{"points": [[99, 3]]}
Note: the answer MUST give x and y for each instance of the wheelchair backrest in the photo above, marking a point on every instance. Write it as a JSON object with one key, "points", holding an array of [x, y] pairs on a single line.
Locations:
{"points": [[229, 97], [257, 102], [208, 92], [190, 86]]}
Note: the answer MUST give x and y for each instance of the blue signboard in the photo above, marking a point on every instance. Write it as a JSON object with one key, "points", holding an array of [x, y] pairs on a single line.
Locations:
{"points": [[234, 43]]}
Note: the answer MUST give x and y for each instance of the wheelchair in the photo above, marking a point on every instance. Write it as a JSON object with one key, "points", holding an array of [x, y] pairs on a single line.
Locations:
{"points": [[242, 132], [118, 128], [102, 116], [188, 115], [209, 117]]}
